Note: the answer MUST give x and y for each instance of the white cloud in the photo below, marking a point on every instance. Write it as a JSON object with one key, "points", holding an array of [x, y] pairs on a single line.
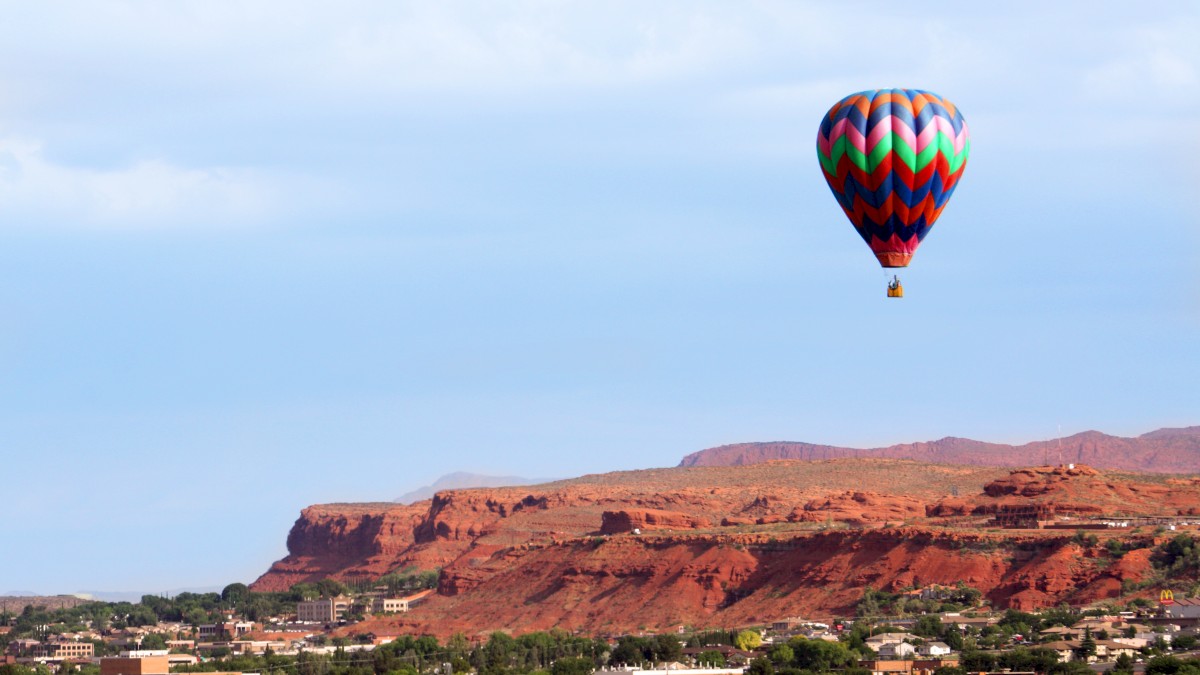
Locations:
{"points": [[1145, 64], [149, 194]]}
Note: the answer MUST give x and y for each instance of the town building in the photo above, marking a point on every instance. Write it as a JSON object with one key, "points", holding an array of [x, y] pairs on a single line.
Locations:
{"points": [[964, 622], [323, 610], [146, 665], [1183, 608], [905, 666], [58, 650], [22, 647], [228, 630]]}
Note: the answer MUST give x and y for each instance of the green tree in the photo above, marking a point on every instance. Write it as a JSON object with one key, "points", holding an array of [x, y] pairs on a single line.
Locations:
{"points": [[668, 648], [974, 661], [235, 593], [1163, 665], [1087, 646], [330, 588], [820, 655], [499, 652], [1123, 664], [1183, 643], [781, 655], [304, 591], [711, 659], [760, 666], [458, 646], [747, 640], [573, 666], [1062, 615], [630, 650], [928, 625]]}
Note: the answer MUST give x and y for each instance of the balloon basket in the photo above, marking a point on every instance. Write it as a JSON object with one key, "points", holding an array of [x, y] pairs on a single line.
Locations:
{"points": [[895, 289]]}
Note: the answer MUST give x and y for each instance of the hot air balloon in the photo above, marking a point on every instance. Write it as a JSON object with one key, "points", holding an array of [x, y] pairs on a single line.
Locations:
{"points": [[892, 158]]}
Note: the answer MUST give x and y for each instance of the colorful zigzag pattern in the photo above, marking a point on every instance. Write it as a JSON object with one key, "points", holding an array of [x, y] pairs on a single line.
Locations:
{"points": [[892, 158]]}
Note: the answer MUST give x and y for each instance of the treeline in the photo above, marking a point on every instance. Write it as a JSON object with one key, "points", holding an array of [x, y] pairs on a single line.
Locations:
{"points": [[195, 609], [878, 603]]}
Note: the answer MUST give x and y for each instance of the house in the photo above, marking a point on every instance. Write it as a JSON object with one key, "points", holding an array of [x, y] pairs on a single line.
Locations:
{"points": [[891, 637], [1111, 649], [964, 622], [895, 650], [1106, 650], [1062, 633], [935, 648], [733, 655], [1064, 649], [789, 624]]}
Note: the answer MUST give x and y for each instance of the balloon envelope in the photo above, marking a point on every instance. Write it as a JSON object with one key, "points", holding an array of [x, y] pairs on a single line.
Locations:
{"points": [[892, 158]]}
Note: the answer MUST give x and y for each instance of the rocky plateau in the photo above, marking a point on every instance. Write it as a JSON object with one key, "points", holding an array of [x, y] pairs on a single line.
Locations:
{"points": [[734, 545]]}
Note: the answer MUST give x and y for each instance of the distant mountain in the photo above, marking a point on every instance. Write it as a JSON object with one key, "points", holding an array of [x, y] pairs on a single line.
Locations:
{"points": [[462, 480], [1162, 451]]}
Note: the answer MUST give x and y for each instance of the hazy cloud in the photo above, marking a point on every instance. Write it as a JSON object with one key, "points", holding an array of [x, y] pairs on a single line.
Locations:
{"points": [[35, 191]]}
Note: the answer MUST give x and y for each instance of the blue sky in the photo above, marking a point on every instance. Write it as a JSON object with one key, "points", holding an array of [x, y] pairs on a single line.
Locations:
{"points": [[260, 255]]}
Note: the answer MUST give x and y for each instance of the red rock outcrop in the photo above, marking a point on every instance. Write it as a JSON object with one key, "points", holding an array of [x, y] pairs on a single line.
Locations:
{"points": [[810, 536], [628, 520], [1161, 451], [858, 508]]}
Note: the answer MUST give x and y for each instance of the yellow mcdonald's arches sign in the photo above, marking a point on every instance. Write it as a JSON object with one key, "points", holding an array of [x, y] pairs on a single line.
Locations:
{"points": [[1166, 597]]}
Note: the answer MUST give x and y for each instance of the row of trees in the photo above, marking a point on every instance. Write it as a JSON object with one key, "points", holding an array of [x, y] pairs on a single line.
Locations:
{"points": [[195, 609], [881, 603]]}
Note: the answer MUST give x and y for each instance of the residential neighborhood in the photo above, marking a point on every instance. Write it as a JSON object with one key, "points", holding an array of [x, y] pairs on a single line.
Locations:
{"points": [[958, 640]]}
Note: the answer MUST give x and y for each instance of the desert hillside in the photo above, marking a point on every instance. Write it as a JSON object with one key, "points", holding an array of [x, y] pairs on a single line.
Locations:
{"points": [[1161, 451], [728, 546]]}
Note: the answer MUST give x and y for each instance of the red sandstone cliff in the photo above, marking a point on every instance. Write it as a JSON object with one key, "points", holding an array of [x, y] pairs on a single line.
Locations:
{"points": [[1161, 451], [794, 537]]}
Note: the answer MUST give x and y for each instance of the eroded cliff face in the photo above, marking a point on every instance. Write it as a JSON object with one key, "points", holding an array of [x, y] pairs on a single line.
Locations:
{"points": [[725, 546], [345, 541], [626, 583]]}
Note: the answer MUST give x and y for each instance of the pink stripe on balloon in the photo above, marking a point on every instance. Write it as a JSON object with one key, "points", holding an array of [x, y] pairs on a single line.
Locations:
{"points": [[944, 126], [882, 128], [856, 139], [925, 137], [904, 131]]}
